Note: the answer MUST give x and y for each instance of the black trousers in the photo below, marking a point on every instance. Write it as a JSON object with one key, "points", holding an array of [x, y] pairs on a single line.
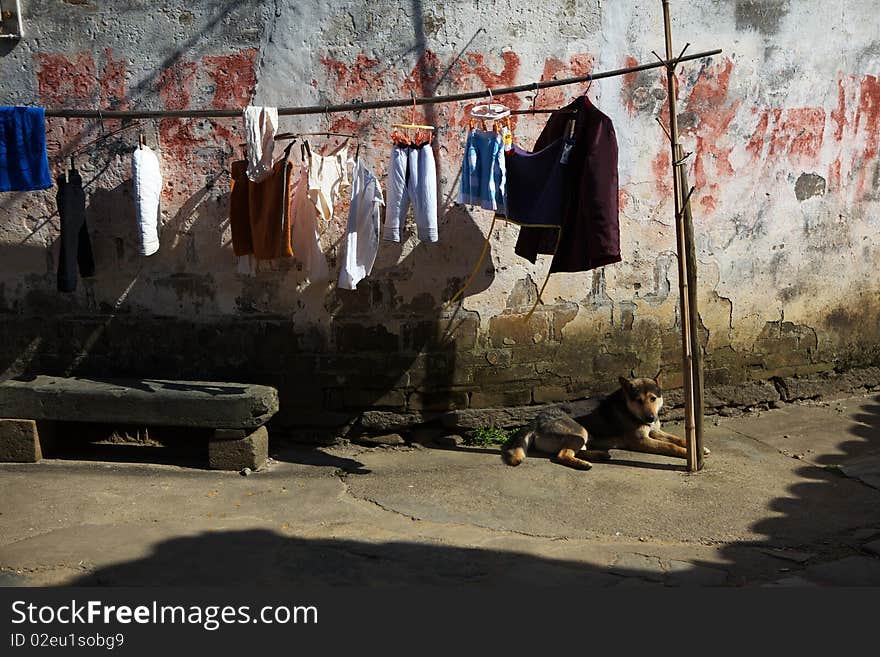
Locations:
{"points": [[76, 247]]}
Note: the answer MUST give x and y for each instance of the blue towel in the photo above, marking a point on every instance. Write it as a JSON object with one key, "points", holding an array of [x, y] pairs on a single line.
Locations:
{"points": [[24, 165]]}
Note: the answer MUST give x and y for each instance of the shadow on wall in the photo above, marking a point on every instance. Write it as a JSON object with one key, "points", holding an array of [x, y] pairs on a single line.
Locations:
{"points": [[376, 351], [368, 348]]}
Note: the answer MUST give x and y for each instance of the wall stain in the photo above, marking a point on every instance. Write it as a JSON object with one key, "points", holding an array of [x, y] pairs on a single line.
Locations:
{"points": [[764, 16], [809, 185]]}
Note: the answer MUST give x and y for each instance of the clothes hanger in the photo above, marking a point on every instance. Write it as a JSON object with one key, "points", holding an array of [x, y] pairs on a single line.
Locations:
{"points": [[589, 84], [295, 135], [491, 111], [412, 126], [320, 133]]}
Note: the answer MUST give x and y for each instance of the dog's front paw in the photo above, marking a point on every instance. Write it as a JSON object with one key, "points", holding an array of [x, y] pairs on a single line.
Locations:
{"points": [[706, 451]]}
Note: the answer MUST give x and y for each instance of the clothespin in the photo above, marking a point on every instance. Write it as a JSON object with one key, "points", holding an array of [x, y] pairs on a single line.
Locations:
{"points": [[569, 142], [142, 141]]}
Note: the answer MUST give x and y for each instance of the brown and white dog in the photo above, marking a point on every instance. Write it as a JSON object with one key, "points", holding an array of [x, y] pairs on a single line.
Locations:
{"points": [[626, 419]]}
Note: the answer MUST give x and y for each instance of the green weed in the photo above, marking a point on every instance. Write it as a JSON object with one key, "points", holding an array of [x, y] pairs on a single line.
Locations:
{"points": [[488, 436]]}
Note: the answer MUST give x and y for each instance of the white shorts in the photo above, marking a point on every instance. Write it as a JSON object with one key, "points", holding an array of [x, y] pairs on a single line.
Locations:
{"points": [[412, 178]]}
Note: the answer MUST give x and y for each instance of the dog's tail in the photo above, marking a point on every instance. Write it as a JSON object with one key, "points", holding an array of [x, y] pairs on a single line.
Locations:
{"points": [[514, 452]]}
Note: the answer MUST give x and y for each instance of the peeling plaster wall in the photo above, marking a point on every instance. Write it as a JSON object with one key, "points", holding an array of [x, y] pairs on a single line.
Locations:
{"points": [[783, 127]]}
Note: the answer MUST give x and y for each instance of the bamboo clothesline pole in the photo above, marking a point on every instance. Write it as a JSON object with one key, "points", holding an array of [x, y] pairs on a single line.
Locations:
{"points": [[365, 105], [691, 366]]}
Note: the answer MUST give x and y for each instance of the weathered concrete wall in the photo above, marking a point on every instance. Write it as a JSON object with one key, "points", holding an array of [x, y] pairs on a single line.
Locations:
{"points": [[783, 126]]}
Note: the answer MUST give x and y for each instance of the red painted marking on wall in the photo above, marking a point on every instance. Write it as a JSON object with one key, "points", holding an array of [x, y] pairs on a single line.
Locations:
{"points": [[709, 204], [63, 82], [709, 101], [834, 176], [423, 77], [623, 199], [705, 118], [234, 78], [661, 166], [759, 137], [798, 134], [866, 122], [839, 115], [473, 64], [628, 87], [358, 80], [179, 137], [555, 96], [176, 84], [581, 64], [112, 81]]}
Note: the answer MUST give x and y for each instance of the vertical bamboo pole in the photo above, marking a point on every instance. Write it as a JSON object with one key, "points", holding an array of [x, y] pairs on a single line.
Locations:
{"points": [[693, 452], [696, 348]]}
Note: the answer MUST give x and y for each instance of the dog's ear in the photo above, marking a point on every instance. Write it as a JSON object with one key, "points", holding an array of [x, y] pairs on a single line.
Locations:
{"points": [[624, 383], [658, 378]]}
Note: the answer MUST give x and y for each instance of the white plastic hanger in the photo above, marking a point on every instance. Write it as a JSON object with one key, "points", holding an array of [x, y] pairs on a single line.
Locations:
{"points": [[491, 111]]}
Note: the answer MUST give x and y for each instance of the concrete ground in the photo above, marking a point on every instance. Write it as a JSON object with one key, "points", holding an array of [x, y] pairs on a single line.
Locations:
{"points": [[789, 497]]}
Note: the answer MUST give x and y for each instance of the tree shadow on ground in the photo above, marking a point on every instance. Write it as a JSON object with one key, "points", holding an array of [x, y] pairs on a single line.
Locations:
{"points": [[265, 558], [826, 491]]}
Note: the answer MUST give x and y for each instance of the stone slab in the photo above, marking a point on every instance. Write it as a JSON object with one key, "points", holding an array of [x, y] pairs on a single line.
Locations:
{"points": [[390, 421], [139, 401], [19, 441], [390, 439], [514, 416], [248, 452]]}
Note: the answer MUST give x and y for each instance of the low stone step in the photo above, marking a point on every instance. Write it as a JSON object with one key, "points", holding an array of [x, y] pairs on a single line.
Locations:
{"points": [[159, 402]]}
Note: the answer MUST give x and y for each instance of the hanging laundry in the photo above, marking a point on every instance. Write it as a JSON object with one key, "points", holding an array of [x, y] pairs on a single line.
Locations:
{"points": [[483, 172], [259, 212], [239, 213], [531, 185], [322, 180], [76, 247], [328, 178], [261, 125], [147, 190], [412, 178], [24, 165], [590, 236], [361, 243], [536, 185], [306, 234]]}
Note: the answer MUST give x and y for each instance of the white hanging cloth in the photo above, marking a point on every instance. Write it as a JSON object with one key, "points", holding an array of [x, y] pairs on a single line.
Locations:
{"points": [[260, 125], [362, 232], [147, 190]]}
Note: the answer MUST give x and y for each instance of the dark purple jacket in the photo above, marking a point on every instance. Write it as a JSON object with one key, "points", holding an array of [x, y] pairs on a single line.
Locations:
{"points": [[590, 229]]}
